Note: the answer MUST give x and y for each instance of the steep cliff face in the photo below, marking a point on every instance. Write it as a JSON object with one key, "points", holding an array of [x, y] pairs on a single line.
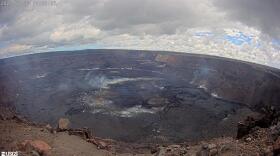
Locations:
{"points": [[241, 82]]}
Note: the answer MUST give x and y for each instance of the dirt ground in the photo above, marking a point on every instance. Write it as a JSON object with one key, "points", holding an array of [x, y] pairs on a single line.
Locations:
{"points": [[16, 131], [13, 133]]}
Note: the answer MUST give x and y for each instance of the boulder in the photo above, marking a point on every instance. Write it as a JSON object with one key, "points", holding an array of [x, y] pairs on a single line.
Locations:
{"points": [[245, 127], [36, 145], [63, 124]]}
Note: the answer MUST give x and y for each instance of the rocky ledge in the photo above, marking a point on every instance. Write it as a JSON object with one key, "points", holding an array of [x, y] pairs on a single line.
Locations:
{"points": [[258, 135]]}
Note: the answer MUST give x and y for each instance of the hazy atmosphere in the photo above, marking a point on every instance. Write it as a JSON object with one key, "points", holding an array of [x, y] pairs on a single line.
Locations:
{"points": [[245, 30]]}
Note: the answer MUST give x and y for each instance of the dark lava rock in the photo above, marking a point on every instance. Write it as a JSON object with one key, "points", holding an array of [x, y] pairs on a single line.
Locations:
{"points": [[276, 147], [268, 117], [245, 127]]}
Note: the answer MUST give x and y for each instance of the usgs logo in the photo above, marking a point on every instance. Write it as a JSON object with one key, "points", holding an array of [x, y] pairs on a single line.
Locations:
{"points": [[9, 153]]}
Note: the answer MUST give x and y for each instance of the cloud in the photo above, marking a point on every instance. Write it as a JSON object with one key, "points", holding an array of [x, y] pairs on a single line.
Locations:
{"points": [[235, 29], [205, 42], [167, 15], [75, 32], [16, 48], [261, 14]]}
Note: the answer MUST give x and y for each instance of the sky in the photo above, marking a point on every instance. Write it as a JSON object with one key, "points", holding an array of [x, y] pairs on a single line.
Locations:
{"points": [[246, 30]]}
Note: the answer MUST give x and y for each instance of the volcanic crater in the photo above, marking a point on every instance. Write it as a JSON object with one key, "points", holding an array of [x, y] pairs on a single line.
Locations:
{"points": [[139, 96]]}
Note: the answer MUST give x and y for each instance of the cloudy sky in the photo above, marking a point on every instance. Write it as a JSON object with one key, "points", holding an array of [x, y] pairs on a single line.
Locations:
{"points": [[242, 29]]}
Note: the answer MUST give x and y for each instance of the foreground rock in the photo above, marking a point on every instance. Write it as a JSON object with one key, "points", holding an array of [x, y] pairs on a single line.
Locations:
{"points": [[267, 118], [260, 143], [63, 124], [171, 150], [36, 145]]}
